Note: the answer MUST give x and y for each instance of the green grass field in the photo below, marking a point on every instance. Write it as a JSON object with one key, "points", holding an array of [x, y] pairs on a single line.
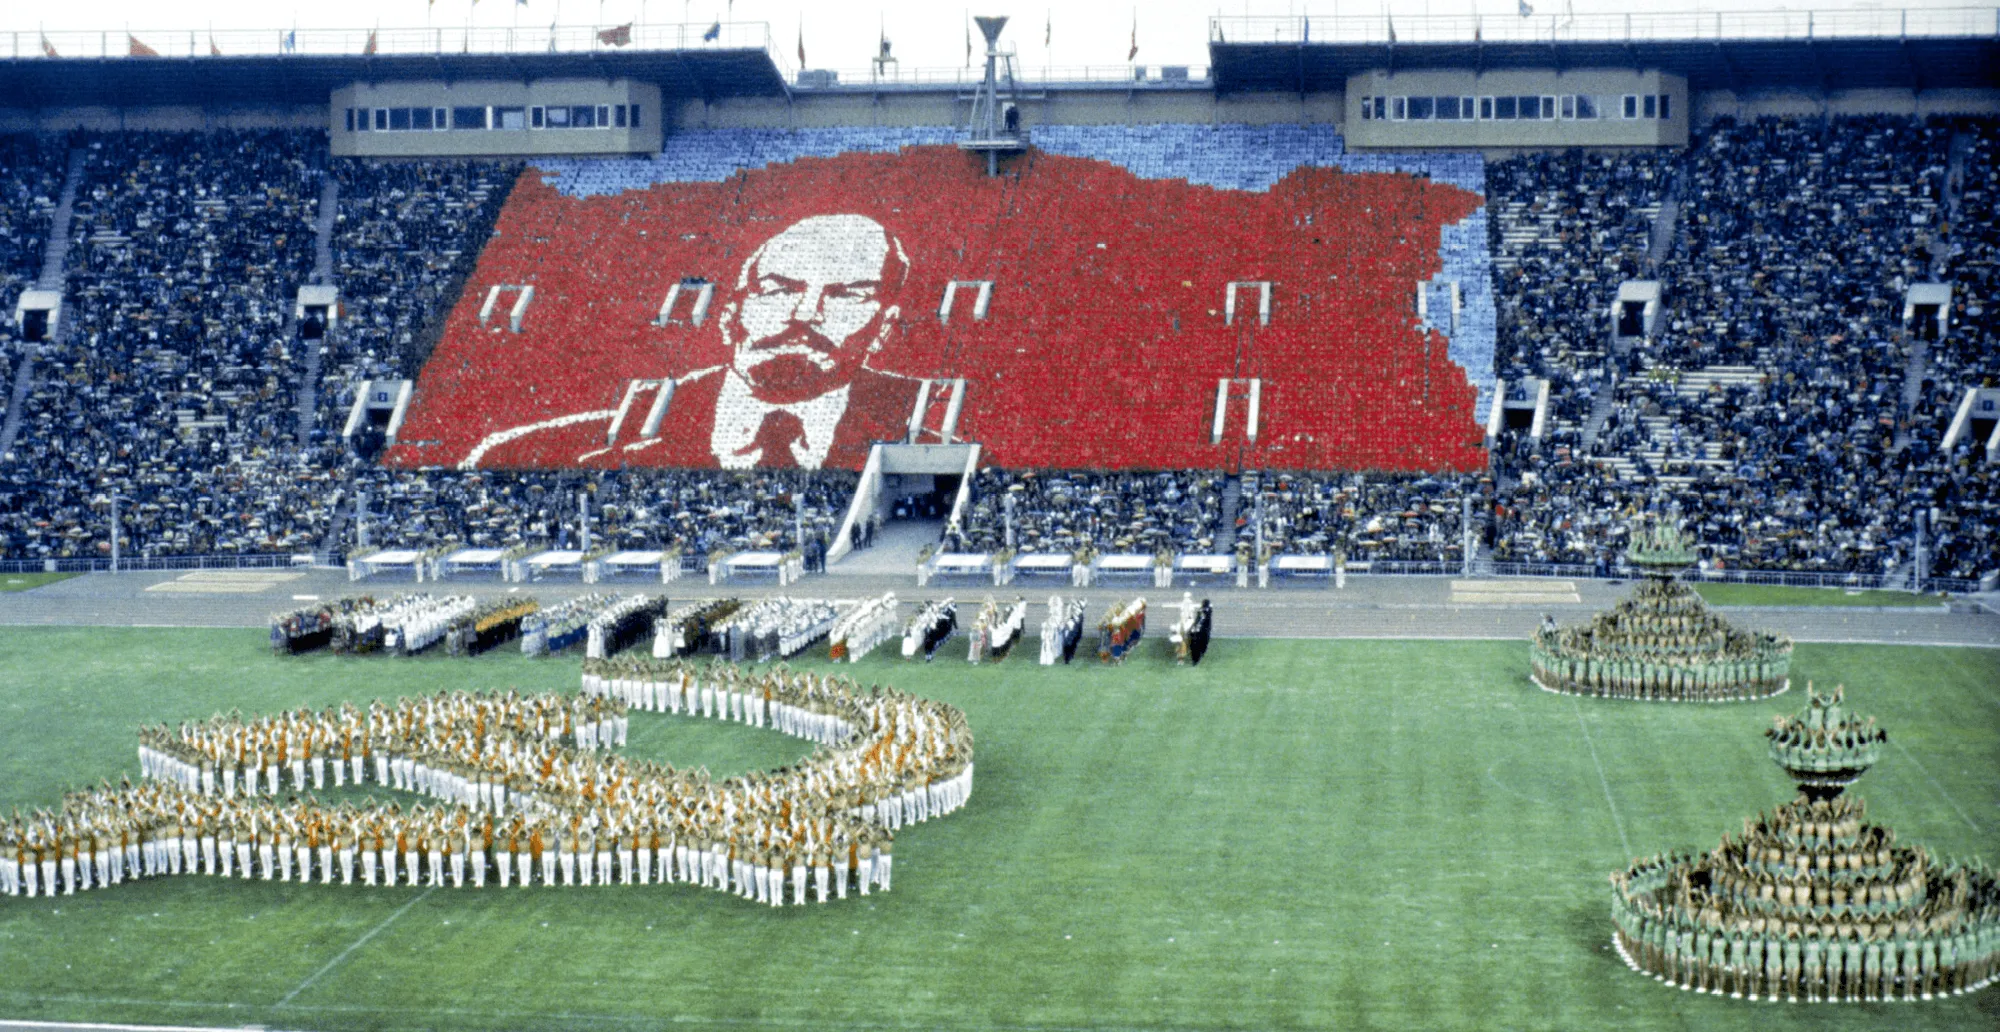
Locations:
{"points": [[1297, 835], [30, 581], [1773, 595]]}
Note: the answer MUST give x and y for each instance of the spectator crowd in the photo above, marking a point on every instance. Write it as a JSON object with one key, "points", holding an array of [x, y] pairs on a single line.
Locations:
{"points": [[1781, 406]]}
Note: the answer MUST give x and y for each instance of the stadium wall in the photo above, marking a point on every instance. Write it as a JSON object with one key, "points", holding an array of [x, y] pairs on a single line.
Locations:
{"points": [[169, 119], [1039, 106], [1143, 105], [1712, 104]]}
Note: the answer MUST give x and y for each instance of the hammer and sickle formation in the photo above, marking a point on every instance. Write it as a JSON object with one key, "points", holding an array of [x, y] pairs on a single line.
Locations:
{"points": [[525, 789]]}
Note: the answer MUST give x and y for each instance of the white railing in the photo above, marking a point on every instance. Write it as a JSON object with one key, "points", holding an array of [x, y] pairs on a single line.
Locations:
{"points": [[1895, 23], [461, 39], [1136, 74]]}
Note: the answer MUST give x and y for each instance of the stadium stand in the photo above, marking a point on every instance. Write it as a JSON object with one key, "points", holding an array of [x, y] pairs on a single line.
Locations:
{"points": [[1067, 511], [694, 510], [406, 237], [1782, 407]]}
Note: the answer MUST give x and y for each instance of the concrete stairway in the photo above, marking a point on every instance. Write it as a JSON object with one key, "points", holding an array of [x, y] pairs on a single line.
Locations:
{"points": [[56, 251], [323, 222], [894, 553], [307, 392], [55, 254]]}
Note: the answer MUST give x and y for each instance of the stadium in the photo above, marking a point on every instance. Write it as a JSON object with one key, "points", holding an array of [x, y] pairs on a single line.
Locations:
{"points": [[443, 466]]}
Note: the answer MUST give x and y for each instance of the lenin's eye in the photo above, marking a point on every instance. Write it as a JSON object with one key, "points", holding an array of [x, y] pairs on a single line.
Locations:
{"points": [[861, 291], [774, 284]]}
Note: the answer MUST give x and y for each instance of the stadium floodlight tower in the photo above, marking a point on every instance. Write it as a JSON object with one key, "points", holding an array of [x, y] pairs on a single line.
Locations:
{"points": [[995, 124]]}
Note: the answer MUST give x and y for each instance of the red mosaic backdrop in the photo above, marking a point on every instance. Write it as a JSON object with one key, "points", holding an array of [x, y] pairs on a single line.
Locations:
{"points": [[1102, 348]]}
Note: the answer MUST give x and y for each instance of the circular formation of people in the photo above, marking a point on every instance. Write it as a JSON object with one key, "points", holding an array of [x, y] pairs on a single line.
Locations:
{"points": [[1811, 901], [524, 791]]}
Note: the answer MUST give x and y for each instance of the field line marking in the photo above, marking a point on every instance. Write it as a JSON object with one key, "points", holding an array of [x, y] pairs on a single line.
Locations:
{"points": [[1617, 819], [358, 943], [1935, 783], [566, 1018]]}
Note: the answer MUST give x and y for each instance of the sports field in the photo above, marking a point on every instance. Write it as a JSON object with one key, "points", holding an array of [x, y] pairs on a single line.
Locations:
{"points": [[1325, 834]]}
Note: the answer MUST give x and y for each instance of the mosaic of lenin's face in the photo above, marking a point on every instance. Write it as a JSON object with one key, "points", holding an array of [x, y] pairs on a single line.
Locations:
{"points": [[811, 303]]}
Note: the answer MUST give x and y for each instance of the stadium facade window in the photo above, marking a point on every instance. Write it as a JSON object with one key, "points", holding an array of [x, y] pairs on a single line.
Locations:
{"points": [[1399, 109], [468, 118], [1631, 105], [558, 118], [1652, 106], [1666, 109], [635, 116], [536, 119], [620, 113], [1566, 106], [381, 120], [1586, 106], [1422, 108], [350, 120], [1503, 109], [510, 118], [1486, 108]]}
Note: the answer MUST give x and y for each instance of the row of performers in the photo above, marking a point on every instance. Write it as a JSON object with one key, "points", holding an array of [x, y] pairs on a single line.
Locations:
{"points": [[885, 759], [998, 628]]}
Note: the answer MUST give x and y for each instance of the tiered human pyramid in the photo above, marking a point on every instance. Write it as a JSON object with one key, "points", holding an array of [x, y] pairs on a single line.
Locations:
{"points": [[1812, 901], [1661, 644]]}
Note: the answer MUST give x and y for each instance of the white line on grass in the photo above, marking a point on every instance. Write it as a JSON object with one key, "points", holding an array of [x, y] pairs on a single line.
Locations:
{"points": [[358, 943], [1603, 781], [92, 1026], [1936, 784]]}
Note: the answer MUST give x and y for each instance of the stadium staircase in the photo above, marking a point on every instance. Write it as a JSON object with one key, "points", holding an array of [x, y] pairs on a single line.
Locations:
{"points": [[894, 553], [1232, 505], [315, 350], [1666, 226], [55, 252], [1600, 413], [1913, 388]]}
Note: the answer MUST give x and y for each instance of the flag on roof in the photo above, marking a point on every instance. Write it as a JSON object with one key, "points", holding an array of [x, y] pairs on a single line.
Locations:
{"points": [[714, 33], [1134, 52], [371, 47], [49, 48], [134, 48], [617, 37]]}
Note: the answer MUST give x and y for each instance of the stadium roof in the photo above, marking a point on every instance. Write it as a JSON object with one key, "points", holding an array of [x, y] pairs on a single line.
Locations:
{"points": [[115, 69], [1849, 49]]}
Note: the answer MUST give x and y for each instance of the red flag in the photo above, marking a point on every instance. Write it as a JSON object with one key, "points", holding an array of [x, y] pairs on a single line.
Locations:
{"points": [[370, 48], [1133, 55], [134, 48], [802, 44], [213, 50], [618, 37], [49, 48]]}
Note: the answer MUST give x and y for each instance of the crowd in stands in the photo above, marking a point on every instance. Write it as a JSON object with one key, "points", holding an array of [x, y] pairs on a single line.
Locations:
{"points": [[406, 235], [698, 511], [171, 382], [1782, 407], [1062, 511]]}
